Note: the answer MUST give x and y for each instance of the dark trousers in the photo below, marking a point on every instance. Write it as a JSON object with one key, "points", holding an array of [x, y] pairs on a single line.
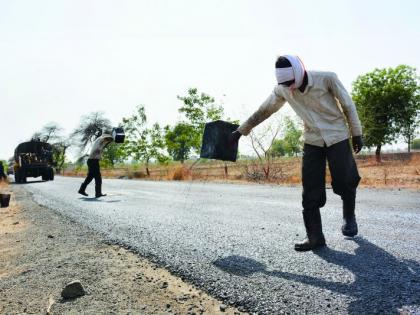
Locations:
{"points": [[2, 174], [343, 169], [94, 172]]}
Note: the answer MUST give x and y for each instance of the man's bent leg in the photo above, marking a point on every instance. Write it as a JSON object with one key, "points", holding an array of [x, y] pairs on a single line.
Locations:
{"points": [[98, 181], [89, 178], [345, 179], [313, 196]]}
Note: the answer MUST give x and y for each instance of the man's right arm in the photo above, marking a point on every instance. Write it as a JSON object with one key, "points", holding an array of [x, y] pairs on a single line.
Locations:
{"points": [[271, 105]]}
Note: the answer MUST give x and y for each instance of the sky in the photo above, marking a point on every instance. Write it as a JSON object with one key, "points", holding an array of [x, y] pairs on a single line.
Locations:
{"points": [[63, 59]]}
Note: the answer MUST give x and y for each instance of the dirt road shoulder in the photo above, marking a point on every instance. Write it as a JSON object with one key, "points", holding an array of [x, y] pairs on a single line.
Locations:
{"points": [[41, 251]]}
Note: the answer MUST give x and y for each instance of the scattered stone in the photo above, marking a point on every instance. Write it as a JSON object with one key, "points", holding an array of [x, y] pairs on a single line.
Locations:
{"points": [[15, 223], [223, 307], [182, 298], [50, 236], [164, 285], [73, 290]]}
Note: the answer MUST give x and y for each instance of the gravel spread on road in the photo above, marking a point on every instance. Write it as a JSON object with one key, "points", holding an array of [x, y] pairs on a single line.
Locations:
{"points": [[236, 242]]}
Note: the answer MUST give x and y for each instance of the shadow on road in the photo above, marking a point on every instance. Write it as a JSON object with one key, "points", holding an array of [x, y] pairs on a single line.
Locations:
{"points": [[382, 283], [93, 199], [29, 182]]}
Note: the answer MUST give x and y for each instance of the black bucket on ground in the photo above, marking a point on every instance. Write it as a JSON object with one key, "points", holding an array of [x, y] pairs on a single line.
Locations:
{"points": [[216, 144], [4, 200]]}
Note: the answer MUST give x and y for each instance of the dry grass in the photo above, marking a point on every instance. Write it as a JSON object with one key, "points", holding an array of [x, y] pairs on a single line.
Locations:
{"points": [[4, 184], [179, 173], [392, 172], [395, 171]]}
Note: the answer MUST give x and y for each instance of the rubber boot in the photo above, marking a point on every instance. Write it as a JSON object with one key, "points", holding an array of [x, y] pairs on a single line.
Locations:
{"points": [[349, 227], [315, 237], [82, 190], [98, 191]]}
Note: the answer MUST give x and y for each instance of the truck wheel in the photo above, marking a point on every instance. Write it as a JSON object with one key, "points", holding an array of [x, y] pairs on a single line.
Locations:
{"points": [[17, 178], [23, 180], [52, 175], [44, 177]]}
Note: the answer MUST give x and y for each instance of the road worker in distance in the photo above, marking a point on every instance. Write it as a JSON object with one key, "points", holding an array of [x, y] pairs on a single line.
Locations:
{"points": [[94, 170]]}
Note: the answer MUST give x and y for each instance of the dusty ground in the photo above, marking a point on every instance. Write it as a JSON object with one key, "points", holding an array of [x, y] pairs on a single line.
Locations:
{"points": [[40, 252]]}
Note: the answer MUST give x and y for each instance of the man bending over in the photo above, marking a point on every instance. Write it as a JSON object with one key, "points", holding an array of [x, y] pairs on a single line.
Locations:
{"points": [[330, 120]]}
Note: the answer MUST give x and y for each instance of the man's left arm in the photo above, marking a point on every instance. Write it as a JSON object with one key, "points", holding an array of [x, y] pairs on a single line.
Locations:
{"points": [[349, 109], [347, 104]]}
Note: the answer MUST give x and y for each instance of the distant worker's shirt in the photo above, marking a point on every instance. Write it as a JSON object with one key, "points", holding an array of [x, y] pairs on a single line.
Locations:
{"points": [[326, 108], [99, 145]]}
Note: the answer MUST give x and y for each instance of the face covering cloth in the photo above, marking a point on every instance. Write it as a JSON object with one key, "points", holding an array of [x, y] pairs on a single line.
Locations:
{"points": [[295, 72]]}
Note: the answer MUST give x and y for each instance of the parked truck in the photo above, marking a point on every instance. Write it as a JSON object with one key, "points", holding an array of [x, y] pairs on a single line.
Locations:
{"points": [[33, 159]]}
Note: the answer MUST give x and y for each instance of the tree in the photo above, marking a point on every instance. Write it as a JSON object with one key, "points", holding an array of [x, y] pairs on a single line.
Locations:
{"points": [[262, 143], [59, 153], [388, 104], [410, 120], [291, 143], [292, 137], [112, 154], [52, 134], [415, 144], [50, 131], [90, 128], [278, 148], [199, 108], [180, 140], [143, 144]]}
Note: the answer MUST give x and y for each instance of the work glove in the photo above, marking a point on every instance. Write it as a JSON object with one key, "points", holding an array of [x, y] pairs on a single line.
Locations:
{"points": [[357, 142], [234, 138]]}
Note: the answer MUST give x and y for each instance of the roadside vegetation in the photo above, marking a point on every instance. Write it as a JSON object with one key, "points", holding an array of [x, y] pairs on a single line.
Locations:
{"points": [[387, 100]]}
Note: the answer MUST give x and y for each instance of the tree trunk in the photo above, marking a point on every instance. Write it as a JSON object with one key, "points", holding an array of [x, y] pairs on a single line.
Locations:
{"points": [[267, 171], [226, 170], [147, 168], [378, 154], [409, 143]]}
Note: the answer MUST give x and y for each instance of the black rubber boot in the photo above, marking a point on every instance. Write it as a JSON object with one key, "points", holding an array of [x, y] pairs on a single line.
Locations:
{"points": [[82, 190], [349, 227], [315, 237], [98, 191]]}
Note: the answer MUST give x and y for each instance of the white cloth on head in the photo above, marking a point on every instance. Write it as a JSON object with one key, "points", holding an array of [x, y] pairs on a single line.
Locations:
{"points": [[296, 72], [284, 74]]}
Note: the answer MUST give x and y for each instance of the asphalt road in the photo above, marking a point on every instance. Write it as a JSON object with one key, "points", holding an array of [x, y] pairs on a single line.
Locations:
{"points": [[236, 242]]}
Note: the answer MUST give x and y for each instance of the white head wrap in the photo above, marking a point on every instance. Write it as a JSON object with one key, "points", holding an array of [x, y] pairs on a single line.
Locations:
{"points": [[295, 72]]}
